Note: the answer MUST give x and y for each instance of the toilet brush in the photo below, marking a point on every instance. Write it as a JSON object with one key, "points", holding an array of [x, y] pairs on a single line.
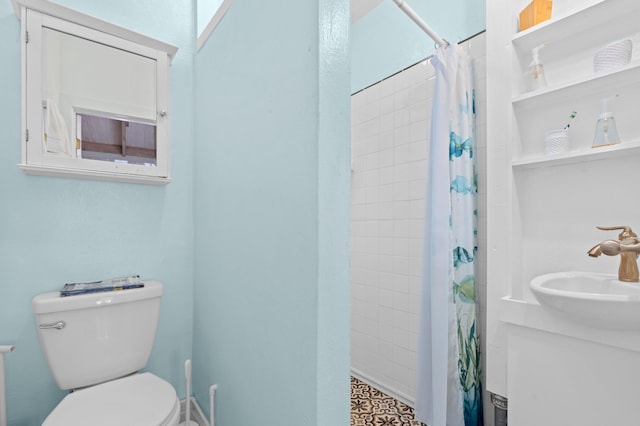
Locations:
{"points": [[212, 416], [187, 400]]}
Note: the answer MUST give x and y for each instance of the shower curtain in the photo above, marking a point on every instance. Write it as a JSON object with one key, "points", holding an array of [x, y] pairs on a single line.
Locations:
{"points": [[449, 389]]}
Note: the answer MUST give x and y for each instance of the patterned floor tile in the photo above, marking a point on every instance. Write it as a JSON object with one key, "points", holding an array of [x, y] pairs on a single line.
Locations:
{"points": [[370, 407]]}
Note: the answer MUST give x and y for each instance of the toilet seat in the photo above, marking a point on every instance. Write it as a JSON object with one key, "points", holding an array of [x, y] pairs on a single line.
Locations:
{"points": [[140, 400]]}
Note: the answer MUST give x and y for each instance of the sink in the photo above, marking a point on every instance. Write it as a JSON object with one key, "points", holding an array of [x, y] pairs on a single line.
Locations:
{"points": [[599, 300]]}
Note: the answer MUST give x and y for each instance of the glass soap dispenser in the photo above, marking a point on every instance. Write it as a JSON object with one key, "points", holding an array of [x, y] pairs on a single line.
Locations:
{"points": [[606, 131], [537, 79]]}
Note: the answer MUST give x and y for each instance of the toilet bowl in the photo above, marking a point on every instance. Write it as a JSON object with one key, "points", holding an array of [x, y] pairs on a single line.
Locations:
{"points": [[139, 399], [95, 345]]}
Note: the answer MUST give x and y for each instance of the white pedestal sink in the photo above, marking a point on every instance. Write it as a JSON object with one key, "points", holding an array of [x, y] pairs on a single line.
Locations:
{"points": [[599, 300]]}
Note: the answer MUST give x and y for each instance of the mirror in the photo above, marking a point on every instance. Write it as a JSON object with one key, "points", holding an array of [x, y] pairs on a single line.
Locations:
{"points": [[97, 100]]}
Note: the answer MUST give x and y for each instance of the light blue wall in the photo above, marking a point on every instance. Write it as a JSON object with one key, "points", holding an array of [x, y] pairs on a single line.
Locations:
{"points": [[55, 230], [272, 213], [386, 41]]}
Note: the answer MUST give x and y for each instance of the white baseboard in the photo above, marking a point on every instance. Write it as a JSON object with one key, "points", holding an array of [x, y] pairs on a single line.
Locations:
{"points": [[400, 396]]}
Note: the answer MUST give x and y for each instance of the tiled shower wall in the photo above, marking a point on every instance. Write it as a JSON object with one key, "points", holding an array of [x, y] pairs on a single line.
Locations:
{"points": [[389, 133]]}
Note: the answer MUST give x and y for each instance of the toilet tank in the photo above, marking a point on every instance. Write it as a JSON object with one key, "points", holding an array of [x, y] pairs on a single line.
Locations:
{"points": [[91, 338]]}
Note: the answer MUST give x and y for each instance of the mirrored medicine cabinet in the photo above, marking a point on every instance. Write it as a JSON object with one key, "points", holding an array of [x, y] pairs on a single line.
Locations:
{"points": [[95, 97]]}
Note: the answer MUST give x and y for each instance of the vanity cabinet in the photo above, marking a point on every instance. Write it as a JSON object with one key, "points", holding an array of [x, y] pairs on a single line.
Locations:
{"points": [[543, 209]]}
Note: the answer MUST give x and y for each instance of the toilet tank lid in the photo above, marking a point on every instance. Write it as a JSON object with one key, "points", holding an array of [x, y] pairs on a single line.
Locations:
{"points": [[53, 302]]}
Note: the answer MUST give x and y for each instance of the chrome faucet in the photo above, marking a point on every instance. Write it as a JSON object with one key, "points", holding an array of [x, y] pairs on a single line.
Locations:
{"points": [[627, 246]]}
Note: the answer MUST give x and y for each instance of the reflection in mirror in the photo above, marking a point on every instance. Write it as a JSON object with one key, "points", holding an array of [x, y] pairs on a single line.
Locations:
{"points": [[115, 139], [99, 102]]}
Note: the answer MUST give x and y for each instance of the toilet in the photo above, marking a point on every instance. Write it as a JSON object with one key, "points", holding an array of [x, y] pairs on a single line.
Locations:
{"points": [[95, 344]]}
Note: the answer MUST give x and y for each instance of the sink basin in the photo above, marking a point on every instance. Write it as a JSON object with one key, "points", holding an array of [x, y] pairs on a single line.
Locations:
{"points": [[599, 300]]}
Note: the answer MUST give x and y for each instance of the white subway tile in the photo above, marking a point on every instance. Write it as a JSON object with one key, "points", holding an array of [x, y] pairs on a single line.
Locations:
{"points": [[414, 323], [402, 117], [402, 154], [370, 194], [416, 246], [402, 99], [416, 227], [385, 193], [370, 261], [401, 283], [413, 338], [386, 175], [420, 110], [385, 228], [402, 190], [415, 285], [386, 157], [386, 280], [401, 338], [386, 105], [358, 116], [419, 152], [385, 263], [385, 212], [372, 109], [415, 266], [401, 228], [370, 245], [371, 177], [400, 247], [385, 140], [401, 209], [385, 331], [404, 357], [358, 196], [385, 349], [402, 135], [386, 122], [400, 265], [400, 319], [417, 192], [419, 92], [419, 130], [402, 173], [387, 246], [372, 160], [371, 296], [414, 305], [385, 298], [372, 144], [401, 301]]}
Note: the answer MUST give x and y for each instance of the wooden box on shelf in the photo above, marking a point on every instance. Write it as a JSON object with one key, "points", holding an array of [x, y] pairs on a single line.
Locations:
{"points": [[536, 12]]}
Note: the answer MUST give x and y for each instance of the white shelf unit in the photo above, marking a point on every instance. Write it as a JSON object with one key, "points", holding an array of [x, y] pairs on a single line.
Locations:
{"points": [[595, 154], [570, 43], [543, 209], [587, 173]]}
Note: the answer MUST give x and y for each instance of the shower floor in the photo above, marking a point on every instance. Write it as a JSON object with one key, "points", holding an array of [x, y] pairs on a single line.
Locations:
{"points": [[370, 407]]}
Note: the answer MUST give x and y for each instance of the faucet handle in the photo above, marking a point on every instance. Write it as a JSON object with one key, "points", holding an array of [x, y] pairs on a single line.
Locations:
{"points": [[625, 234]]}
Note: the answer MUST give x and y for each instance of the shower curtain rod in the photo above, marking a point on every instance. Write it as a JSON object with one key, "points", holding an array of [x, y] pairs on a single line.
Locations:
{"points": [[427, 29]]}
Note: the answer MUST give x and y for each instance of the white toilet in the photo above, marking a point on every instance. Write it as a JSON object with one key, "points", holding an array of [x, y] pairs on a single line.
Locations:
{"points": [[95, 344]]}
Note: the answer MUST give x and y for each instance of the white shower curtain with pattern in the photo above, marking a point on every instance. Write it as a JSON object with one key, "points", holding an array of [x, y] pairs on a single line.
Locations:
{"points": [[449, 389]]}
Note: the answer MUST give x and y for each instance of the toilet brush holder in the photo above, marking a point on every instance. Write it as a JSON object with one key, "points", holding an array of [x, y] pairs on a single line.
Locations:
{"points": [[187, 400]]}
